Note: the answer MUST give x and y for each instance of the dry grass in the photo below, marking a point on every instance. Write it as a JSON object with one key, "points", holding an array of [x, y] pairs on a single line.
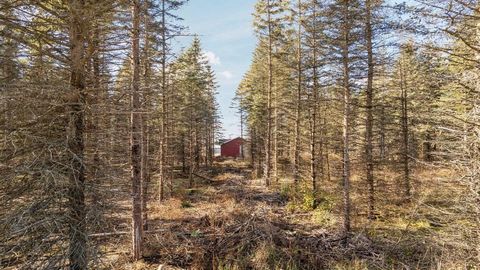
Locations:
{"points": [[234, 223]]}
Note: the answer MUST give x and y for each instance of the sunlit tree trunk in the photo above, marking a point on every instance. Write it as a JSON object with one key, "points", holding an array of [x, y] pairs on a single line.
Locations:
{"points": [[268, 144], [296, 163], [346, 115], [136, 136], [314, 106]]}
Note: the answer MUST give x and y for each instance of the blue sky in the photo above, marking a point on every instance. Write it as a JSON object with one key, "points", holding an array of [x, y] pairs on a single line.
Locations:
{"points": [[225, 29]]}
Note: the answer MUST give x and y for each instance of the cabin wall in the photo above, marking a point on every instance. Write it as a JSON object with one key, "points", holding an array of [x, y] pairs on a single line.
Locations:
{"points": [[232, 148]]}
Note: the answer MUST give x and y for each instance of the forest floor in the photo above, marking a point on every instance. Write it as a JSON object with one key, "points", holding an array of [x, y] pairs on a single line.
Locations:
{"points": [[232, 222]]}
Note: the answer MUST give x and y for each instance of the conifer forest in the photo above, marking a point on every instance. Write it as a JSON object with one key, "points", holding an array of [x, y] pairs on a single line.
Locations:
{"points": [[359, 144]]}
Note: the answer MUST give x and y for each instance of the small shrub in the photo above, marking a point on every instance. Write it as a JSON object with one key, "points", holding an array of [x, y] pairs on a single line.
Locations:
{"points": [[265, 256], [302, 198], [354, 264], [139, 265], [192, 191], [226, 266], [269, 256], [186, 204], [308, 201], [323, 212], [323, 217], [291, 207], [325, 202], [196, 234], [286, 190], [420, 225]]}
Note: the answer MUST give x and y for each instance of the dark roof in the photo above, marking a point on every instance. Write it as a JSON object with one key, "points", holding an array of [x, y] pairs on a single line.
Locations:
{"points": [[231, 140]]}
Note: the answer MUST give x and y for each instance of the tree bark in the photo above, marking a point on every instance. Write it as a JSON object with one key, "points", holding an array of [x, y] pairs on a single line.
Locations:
{"points": [[346, 116], [145, 122], [296, 164], [75, 139], [163, 126], [404, 99], [242, 154], [275, 129], [136, 137], [314, 109], [369, 112], [191, 146], [382, 124], [253, 152], [268, 145]]}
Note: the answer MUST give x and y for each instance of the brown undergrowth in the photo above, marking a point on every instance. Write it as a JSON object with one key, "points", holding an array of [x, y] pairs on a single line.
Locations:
{"points": [[235, 223]]}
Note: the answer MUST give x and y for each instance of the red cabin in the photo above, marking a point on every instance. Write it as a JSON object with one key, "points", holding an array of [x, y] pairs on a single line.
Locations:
{"points": [[232, 148]]}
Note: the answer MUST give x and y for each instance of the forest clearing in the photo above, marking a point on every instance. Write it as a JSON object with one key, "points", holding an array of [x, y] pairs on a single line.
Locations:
{"points": [[239, 134]]}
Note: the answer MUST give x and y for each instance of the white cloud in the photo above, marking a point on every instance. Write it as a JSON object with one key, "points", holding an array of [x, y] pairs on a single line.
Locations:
{"points": [[226, 74], [212, 58]]}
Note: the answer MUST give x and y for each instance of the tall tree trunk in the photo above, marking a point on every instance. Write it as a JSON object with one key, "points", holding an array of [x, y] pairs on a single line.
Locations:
{"points": [[207, 144], [369, 108], [324, 162], [170, 133], [268, 145], [136, 136], [321, 150], [275, 130], [93, 67], [145, 121], [313, 147], [428, 147], [212, 143], [314, 109], [296, 163], [144, 173], [253, 152], [404, 99], [382, 134], [75, 132], [346, 116], [163, 127], [191, 146], [184, 153], [197, 147], [242, 153]]}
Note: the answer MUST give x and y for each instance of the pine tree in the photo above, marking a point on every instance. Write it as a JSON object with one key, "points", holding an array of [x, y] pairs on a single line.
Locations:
{"points": [[252, 99], [168, 30], [406, 74], [268, 24], [346, 12], [197, 115], [314, 37]]}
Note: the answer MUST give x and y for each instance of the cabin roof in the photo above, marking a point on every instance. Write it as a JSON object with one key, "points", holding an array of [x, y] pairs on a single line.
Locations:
{"points": [[231, 140]]}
